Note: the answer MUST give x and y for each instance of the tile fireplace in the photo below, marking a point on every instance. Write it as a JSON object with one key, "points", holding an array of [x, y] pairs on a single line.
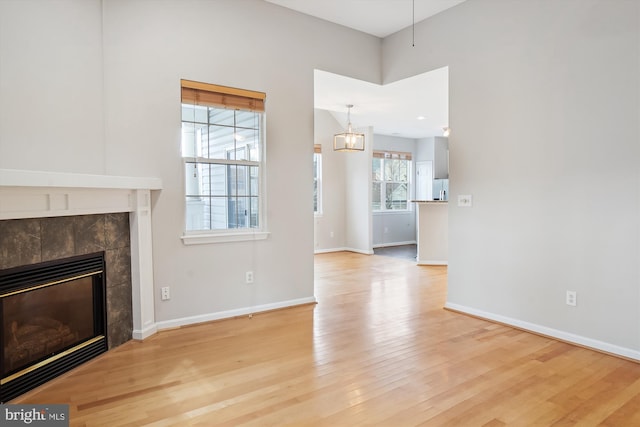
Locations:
{"points": [[53, 321]]}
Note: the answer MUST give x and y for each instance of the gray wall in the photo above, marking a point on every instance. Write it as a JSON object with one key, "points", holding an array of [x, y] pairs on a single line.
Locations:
{"points": [[544, 112], [330, 231], [345, 223]]}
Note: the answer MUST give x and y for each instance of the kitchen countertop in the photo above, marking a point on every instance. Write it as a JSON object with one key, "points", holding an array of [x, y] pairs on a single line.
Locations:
{"points": [[429, 201]]}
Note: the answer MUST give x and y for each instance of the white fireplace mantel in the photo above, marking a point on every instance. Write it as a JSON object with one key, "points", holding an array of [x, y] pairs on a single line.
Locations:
{"points": [[39, 194]]}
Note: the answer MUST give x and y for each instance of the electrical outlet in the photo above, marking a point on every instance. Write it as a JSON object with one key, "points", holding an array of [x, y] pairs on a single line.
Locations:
{"points": [[164, 293], [465, 200], [248, 277], [572, 298]]}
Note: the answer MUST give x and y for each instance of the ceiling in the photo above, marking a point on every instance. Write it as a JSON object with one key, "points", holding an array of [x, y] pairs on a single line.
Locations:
{"points": [[377, 17], [416, 107], [392, 109]]}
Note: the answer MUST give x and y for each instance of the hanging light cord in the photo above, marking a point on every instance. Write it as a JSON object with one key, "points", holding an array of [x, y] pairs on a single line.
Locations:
{"points": [[413, 28]]}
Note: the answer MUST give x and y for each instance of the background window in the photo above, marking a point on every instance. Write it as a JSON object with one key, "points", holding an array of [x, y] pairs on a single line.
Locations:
{"points": [[222, 143], [390, 181], [317, 179]]}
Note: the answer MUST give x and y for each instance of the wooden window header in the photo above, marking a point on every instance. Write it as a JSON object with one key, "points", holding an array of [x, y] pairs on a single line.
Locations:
{"points": [[221, 96], [392, 155]]}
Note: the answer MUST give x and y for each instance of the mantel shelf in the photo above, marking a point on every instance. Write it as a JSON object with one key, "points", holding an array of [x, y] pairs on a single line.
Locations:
{"points": [[26, 178]]}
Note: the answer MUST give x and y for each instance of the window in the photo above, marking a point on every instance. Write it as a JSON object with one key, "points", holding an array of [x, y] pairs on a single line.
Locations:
{"points": [[222, 151], [390, 186], [317, 179]]}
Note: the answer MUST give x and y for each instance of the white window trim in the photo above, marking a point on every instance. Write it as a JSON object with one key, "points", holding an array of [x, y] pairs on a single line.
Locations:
{"points": [[204, 238], [394, 211]]}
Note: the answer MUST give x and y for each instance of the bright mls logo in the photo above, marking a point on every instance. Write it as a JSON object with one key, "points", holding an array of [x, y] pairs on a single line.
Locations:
{"points": [[36, 415]]}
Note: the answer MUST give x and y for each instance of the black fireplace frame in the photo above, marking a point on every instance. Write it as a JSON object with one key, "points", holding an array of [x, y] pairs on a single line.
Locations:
{"points": [[45, 274]]}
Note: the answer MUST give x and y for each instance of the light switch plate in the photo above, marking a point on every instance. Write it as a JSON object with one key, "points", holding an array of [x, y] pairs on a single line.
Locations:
{"points": [[465, 201]]}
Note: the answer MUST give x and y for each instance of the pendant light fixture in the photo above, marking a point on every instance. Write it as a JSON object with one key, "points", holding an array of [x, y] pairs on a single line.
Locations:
{"points": [[349, 140]]}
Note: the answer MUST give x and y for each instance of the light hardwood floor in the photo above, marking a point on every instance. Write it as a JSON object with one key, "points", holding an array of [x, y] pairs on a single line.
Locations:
{"points": [[378, 349]]}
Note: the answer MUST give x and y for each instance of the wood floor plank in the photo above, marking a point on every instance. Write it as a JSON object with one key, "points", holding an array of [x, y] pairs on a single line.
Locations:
{"points": [[377, 349]]}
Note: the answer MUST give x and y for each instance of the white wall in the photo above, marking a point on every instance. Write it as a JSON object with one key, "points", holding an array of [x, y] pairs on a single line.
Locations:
{"points": [[128, 58], [393, 228], [544, 109]]}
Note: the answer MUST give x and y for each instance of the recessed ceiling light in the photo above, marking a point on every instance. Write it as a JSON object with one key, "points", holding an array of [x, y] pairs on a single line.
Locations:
{"points": [[421, 117]]}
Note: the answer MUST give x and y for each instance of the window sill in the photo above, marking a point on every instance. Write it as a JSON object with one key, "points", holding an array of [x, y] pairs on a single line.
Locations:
{"points": [[209, 238], [392, 212]]}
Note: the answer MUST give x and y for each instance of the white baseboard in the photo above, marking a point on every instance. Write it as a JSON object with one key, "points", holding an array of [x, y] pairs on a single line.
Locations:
{"points": [[359, 251], [245, 311], [432, 262], [550, 332], [141, 334], [386, 245], [326, 251]]}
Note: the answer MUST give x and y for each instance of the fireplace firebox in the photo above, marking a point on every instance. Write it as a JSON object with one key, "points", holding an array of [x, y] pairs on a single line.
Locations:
{"points": [[53, 318]]}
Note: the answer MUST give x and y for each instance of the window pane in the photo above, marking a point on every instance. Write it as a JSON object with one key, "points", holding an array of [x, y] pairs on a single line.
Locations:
{"points": [[221, 142], [192, 179], [396, 196], [194, 113], [242, 181], [217, 180], [315, 195], [218, 213], [375, 196], [395, 170], [197, 213], [237, 212], [194, 136], [247, 119], [315, 166], [253, 217], [315, 182], [221, 116], [247, 144], [254, 180], [205, 179], [377, 169]]}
